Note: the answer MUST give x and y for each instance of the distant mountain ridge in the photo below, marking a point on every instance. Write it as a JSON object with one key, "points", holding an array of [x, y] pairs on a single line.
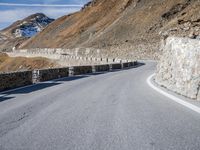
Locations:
{"points": [[21, 30], [29, 26]]}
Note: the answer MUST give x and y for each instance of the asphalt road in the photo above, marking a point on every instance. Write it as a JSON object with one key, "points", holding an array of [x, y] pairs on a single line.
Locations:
{"points": [[110, 111]]}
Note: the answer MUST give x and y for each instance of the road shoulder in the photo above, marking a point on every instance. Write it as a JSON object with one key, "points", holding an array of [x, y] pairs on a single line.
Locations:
{"points": [[189, 103]]}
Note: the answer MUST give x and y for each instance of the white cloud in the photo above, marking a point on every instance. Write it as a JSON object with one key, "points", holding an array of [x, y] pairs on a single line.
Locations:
{"points": [[9, 16], [55, 13], [18, 11], [38, 5]]}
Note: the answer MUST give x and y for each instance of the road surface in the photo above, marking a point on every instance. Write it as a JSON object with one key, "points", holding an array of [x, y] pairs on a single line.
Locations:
{"points": [[110, 111]]}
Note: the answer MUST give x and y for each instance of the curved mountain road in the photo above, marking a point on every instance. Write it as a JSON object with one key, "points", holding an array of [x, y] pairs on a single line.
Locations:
{"points": [[110, 111]]}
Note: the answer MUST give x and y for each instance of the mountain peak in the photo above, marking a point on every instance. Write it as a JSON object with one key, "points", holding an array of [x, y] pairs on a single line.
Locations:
{"points": [[29, 26], [22, 30]]}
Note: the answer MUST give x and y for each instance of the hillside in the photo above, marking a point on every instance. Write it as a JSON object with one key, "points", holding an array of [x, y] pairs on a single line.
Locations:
{"points": [[8, 64], [124, 28], [22, 30]]}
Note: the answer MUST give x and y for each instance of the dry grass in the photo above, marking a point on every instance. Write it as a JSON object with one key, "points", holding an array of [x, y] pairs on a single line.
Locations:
{"points": [[8, 64]]}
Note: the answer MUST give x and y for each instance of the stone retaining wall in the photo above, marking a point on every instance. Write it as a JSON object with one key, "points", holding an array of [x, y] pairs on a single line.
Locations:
{"points": [[179, 67], [15, 79], [100, 68], [126, 65], [116, 66], [50, 74], [18, 79], [77, 70]]}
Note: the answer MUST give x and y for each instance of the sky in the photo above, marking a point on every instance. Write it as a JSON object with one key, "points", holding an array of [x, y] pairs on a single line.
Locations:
{"points": [[13, 10]]}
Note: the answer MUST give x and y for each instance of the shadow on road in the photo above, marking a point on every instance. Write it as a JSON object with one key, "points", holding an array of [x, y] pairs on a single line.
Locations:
{"points": [[139, 64], [33, 88], [72, 78], [4, 98], [38, 87]]}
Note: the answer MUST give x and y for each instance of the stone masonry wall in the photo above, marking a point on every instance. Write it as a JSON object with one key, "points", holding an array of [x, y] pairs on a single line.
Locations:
{"points": [[15, 79], [50, 74], [19, 79], [100, 68], [179, 67], [77, 70]]}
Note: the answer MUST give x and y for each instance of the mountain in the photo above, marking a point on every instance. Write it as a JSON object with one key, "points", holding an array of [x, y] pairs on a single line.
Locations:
{"points": [[21, 30], [122, 28]]}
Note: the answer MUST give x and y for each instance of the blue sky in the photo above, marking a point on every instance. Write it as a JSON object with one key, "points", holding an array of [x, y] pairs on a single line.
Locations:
{"points": [[13, 10]]}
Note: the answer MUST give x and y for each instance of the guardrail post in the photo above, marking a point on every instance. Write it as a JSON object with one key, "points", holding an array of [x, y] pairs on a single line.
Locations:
{"points": [[93, 69], [35, 76], [122, 65], [110, 67], [71, 71]]}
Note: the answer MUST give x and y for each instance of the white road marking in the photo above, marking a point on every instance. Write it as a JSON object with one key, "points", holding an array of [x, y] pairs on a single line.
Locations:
{"points": [[178, 100]]}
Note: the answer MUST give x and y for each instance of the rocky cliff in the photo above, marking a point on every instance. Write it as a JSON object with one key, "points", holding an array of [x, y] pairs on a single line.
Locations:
{"points": [[179, 67]]}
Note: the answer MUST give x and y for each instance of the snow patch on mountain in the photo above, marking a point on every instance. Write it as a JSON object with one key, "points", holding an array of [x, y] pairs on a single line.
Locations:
{"points": [[32, 25], [27, 31]]}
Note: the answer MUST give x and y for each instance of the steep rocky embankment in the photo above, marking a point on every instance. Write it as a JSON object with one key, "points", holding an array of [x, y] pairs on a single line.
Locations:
{"points": [[179, 67], [122, 28], [22, 30]]}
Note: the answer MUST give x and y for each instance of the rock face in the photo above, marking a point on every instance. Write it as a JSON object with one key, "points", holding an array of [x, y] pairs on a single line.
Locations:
{"points": [[179, 67]]}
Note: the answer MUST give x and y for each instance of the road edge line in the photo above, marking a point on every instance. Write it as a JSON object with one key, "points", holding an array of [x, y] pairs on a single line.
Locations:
{"points": [[172, 97]]}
